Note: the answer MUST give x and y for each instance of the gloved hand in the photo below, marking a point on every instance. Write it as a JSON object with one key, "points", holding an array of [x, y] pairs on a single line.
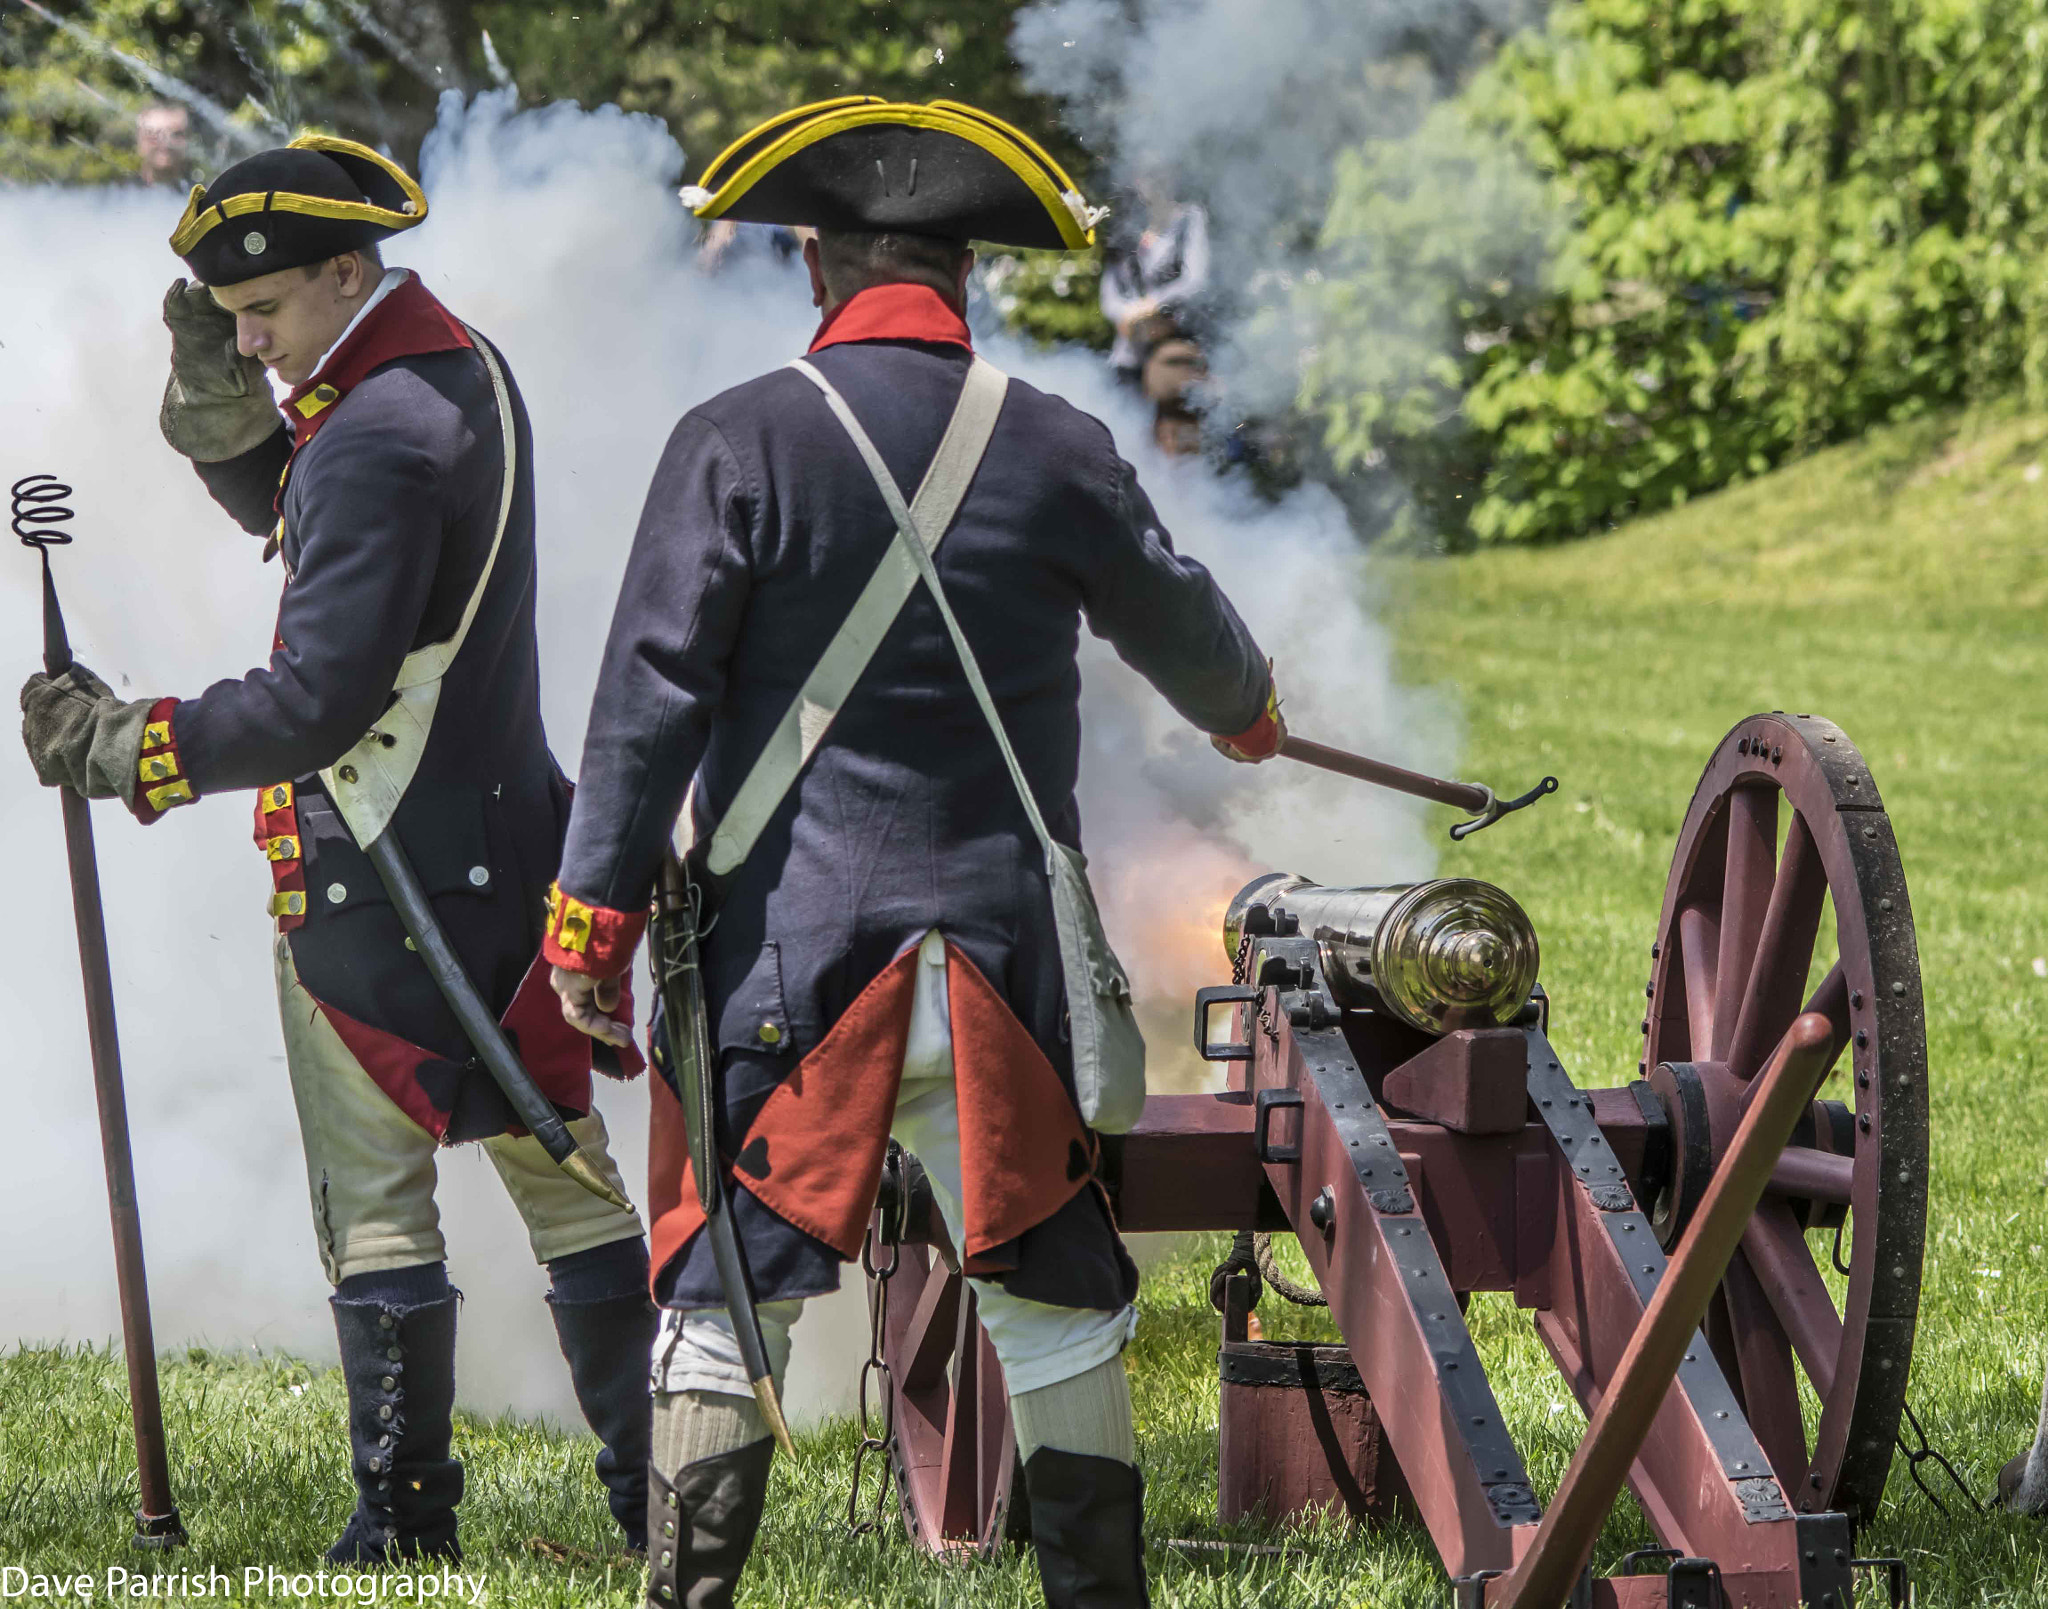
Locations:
{"points": [[80, 736], [1259, 741], [588, 1004], [218, 403]]}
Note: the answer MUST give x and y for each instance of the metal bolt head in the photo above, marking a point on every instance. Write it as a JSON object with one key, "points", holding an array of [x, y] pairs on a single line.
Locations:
{"points": [[347, 773], [479, 876]]}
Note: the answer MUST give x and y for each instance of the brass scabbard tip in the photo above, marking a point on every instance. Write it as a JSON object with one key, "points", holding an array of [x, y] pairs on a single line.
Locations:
{"points": [[771, 1410], [580, 1168]]}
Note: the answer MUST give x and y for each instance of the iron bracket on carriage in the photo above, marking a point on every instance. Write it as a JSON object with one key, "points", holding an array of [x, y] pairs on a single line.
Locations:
{"points": [[1393, 1099]]}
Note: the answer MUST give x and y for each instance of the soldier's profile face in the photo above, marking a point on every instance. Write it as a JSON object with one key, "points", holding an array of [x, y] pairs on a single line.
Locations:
{"points": [[290, 318]]}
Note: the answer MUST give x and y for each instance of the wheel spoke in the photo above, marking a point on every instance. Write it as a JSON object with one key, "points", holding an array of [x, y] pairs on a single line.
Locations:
{"points": [[1784, 951], [1697, 945], [1830, 1000], [960, 1476], [1804, 1174], [1777, 1253], [1770, 1385], [1745, 896], [927, 1340]]}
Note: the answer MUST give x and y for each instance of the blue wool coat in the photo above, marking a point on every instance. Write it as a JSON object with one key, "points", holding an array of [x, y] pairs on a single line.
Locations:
{"points": [[761, 527]]}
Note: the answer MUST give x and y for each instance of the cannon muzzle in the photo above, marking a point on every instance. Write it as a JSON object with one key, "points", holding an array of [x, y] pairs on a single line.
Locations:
{"points": [[1449, 953]]}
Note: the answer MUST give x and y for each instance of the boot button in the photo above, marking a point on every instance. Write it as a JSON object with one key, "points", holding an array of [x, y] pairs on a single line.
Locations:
{"points": [[384, 1413], [667, 1557], [668, 1527], [389, 1382], [383, 1486], [383, 1441], [394, 1354], [376, 1463], [661, 1591], [385, 1321]]}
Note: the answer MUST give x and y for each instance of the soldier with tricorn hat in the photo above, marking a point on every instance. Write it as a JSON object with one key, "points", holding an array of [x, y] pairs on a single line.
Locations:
{"points": [[873, 846], [395, 733]]}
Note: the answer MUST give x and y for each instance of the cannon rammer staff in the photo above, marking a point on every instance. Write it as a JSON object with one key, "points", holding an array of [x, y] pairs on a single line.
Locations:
{"points": [[39, 512], [1475, 798]]}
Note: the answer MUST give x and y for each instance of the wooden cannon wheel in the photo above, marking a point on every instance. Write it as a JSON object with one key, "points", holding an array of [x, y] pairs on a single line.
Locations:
{"points": [[954, 1461], [1787, 822]]}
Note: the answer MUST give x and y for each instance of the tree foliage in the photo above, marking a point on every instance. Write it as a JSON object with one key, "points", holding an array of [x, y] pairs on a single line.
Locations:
{"points": [[74, 73], [1654, 248]]}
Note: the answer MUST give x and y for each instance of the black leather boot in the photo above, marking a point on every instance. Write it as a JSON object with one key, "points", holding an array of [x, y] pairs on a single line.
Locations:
{"points": [[399, 1366], [608, 1345], [700, 1527], [1087, 1523]]}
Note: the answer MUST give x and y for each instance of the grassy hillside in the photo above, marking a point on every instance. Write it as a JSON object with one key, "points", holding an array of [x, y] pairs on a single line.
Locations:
{"points": [[1895, 585]]}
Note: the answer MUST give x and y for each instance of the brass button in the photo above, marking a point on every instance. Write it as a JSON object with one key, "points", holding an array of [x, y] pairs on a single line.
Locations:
{"points": [[770, 1034], [668, 1527], [384, 1413], [390, 1382], [336, 893], [669, 1498], [394, 1354]]}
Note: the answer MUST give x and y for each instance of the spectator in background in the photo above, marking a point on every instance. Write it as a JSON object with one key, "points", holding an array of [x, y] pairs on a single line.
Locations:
{"points": [[1152, 289], [725, 244], [162, 141]]}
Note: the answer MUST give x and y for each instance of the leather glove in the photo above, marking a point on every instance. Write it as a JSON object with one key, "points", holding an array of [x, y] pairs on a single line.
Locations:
{"points": [[218, 403], [80, 736]]}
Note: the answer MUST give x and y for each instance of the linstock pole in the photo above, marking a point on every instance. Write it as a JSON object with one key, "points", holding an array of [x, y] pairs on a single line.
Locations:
{"points": [[37, 506]]}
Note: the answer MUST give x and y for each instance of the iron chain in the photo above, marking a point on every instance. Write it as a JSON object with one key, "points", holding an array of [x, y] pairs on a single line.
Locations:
{"points": [[884, 1229], [1916, 1456]]}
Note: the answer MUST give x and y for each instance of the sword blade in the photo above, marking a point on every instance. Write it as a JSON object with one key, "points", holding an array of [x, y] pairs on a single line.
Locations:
{"points": [[689, 1038]]}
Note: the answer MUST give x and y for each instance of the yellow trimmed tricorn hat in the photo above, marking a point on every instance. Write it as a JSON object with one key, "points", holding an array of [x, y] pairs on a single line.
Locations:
{"points": [[862, 163], [300, 203]]}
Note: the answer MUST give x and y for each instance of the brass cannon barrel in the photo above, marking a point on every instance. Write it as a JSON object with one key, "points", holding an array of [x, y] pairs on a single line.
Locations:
{"points": [[1449, 953]]}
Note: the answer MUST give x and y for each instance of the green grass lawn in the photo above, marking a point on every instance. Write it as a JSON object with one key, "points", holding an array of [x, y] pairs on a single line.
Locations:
{"points": [[1895, 585]]}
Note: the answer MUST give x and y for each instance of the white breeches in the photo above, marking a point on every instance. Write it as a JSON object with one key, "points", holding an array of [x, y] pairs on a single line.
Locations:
{"points": [[1038, 1344]]}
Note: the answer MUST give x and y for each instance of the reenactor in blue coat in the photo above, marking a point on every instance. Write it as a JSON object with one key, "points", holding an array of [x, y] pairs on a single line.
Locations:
{"points": [[401, 700], [883, 955]]}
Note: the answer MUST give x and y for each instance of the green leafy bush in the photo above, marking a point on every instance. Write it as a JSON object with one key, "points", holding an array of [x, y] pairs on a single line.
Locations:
{"points": [[1655, 248]]}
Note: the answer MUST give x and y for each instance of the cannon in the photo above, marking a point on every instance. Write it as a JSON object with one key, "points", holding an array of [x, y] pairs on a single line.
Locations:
{"points": [[1392, 1099]]}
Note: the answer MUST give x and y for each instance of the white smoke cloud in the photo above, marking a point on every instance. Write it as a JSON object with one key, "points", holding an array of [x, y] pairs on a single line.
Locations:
{"points": [[557, 233], [1244, 106]]}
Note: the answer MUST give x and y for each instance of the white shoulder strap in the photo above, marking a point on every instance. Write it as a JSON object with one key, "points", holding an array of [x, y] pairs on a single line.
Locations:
{"points": [[367, 783], [930, 516], [431, 662], [913, 541]]}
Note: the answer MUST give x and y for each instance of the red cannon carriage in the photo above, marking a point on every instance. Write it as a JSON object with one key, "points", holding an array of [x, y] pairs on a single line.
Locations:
{"points": [[1393, 1100]]}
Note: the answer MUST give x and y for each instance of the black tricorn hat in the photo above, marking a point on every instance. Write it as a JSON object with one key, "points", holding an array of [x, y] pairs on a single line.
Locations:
{"points": [[863, 163], [300, 203]]}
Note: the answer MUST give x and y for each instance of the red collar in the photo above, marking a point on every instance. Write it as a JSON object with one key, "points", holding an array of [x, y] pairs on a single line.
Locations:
{"points": [[406, 323], [894, 312]]}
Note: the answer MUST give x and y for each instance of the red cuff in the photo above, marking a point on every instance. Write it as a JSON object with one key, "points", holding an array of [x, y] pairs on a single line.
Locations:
{"points": [[160, 782], [1260, 740], [593, 939]]}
